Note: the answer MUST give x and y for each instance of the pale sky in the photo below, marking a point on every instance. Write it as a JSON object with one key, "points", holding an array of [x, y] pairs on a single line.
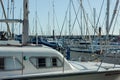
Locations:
{"points": [[44, 9]]}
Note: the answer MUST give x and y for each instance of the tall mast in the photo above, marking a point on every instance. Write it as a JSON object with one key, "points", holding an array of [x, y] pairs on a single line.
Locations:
{"points": [[36, 26], [8, 10], [8, 29], [53, 21], [81, 18], [25, 23], [12, 1], [114, 13], [49, 29], [107, 21], [70, 17], [94, 11]]}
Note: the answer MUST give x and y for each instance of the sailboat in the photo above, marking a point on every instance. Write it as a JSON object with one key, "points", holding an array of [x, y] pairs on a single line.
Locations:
{"points": [[34, 62]]}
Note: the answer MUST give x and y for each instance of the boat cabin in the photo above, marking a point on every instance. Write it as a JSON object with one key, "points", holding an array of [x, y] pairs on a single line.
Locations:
{"points": [[29, 60]]}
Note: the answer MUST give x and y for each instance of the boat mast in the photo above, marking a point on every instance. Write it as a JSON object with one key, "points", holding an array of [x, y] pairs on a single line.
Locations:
{"points": [[81, 18], [8, 28], [107, 21], [8, 10], [53, 21], [70, 18], [94, 17], [12, 1], [36, 25], [25, 23]]}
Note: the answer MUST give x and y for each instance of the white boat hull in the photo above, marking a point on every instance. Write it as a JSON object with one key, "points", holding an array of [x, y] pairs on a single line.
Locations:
{"points": [[110, 75]]}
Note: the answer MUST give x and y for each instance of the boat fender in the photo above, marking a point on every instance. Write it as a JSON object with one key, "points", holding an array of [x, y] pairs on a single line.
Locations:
{"points": [[25, 58]]}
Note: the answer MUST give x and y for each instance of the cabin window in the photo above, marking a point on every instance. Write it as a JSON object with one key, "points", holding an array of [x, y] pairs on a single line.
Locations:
{"points": [[54, 61], [45, 62], [41, 62], [10, 63], [1, 63], [38, 62]]}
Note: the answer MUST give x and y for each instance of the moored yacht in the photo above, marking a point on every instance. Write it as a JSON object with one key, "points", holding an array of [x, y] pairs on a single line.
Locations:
{"points": [[44, 63]]}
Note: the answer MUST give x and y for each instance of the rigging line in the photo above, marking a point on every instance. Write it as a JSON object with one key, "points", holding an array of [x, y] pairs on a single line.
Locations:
{"points": [[104, 21], [81, 16], [57, 23], [116, 19], [11, 8], [48, 31], [8, 10], [76, 18], [13, 11], [99, 15], [88, 18], [33, 31], [87, 30], [40, 26], [53, 14], [114, 25], [70, 3], [89, 6], [113, 15], [8, 28], [20, 18], [85, 19], [102, 25], [64, 20], [36, 23], [49, 26], [2, 18], [56, 20], [36, 18]]}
